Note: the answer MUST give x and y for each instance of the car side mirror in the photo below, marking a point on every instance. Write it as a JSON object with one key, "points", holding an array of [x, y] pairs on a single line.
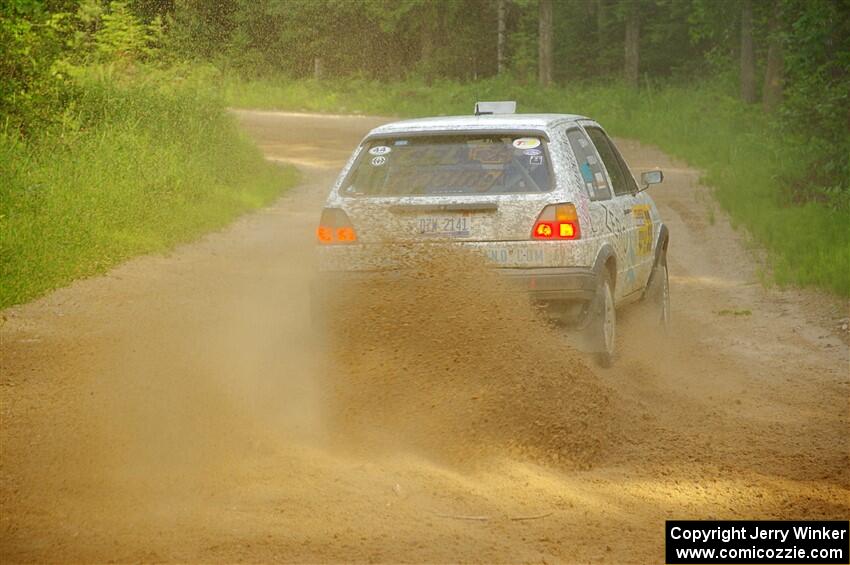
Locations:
{"points": [[651, 177]]}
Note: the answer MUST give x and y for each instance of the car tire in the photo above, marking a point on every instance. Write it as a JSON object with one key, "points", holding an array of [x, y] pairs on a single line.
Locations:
{"points": [[658, 294], [604, 323]]}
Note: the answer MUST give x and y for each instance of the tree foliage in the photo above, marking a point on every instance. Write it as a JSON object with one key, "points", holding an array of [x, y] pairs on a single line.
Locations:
{"points": [[669, 41], [42, 49]]}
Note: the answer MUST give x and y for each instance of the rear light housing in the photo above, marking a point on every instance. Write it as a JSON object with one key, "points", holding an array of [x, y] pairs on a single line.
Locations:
{"points": [[557, 222], [335, 228]]}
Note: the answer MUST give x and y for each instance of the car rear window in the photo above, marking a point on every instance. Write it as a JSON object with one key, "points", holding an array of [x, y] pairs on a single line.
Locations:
{"points": [[445, 165]]}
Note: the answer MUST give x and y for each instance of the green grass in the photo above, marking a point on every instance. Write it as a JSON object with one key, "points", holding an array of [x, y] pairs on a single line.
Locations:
{"points": [[142, 164], [741, 153]]}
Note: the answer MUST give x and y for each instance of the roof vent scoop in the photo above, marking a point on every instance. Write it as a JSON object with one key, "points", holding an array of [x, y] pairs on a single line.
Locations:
{"points": [[503, 107]]}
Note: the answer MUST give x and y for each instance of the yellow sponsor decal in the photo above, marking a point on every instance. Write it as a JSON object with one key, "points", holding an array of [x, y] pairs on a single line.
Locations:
{"points": [[643, 222]]}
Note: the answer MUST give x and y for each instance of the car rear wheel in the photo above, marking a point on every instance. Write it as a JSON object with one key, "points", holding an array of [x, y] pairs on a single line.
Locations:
{"points": [[604, 324]]}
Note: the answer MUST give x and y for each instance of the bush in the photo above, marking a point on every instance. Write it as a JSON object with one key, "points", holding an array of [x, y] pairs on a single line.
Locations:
{"points": [[146, 159]]}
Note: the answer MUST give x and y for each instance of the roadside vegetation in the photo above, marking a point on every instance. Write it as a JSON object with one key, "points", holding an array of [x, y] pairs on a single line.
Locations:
{"points": [[106, 150]]}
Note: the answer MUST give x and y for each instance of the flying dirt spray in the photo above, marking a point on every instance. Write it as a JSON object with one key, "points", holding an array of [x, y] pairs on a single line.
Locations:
{"points": [[446, 358]]}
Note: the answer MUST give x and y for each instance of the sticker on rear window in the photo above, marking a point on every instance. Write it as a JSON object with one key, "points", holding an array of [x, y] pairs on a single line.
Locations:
{"points": [[380, 150], [532, 152], [600, 180], [526, 143], [535, 160], [378, 161]]}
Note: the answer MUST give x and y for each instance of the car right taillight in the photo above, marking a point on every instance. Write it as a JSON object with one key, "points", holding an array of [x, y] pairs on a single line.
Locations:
{"points": [[557, 222], [335, 227]]}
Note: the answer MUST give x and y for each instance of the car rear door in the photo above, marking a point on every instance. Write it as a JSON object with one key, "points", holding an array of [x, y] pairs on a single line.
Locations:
{"points": [[623, 208], [642, 220]]}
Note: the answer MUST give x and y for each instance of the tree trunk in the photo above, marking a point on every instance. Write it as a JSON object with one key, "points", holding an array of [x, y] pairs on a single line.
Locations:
{"points": [[748, 60], [600, 27], [774, 73], [544, 38], [500, 46], [632, 54], [428, 30]]}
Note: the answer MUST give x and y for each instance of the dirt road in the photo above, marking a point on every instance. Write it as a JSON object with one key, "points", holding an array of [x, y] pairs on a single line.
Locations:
{"points": [[172, 410]]}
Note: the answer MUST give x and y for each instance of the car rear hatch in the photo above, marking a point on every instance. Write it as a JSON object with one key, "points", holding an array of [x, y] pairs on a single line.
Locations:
{"points": [[448, 187]]}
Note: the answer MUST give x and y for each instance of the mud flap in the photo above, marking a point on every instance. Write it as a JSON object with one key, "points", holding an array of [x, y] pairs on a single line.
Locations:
{"points": [[588, 338], [660, 255], [595, 315]]}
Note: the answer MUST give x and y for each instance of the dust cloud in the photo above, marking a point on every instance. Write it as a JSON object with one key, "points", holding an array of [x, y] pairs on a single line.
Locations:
{"points": [[446, 358]]}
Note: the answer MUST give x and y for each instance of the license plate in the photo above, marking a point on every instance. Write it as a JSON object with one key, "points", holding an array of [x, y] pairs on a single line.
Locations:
{"points": [[443, 226]]}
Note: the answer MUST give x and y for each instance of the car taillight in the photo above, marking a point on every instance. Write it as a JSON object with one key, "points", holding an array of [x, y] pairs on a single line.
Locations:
{"points": [[557, 221], [335, 227]]}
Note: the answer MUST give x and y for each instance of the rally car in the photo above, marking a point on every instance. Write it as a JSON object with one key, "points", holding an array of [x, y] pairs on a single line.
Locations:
{"points": [[547, 198]]}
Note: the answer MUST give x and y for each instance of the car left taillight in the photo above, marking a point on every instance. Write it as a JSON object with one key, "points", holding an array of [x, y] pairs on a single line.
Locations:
{"points": [[557, 222], [335, 228]]}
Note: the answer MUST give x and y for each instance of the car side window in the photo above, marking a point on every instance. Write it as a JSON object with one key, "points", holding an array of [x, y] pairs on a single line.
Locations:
{"points": [[588, 163], [610, 159], [631, 185]]}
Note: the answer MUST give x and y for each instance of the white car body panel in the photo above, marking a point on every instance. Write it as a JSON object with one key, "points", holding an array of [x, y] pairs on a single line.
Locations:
{"points": [[628, 223]]}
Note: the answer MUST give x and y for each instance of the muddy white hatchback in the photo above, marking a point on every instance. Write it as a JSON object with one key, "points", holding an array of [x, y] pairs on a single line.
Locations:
{"points": [[546, 198]]}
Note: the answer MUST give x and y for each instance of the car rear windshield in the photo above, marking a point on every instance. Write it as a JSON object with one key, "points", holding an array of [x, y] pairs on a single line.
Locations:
{"points": [[446, 165]]}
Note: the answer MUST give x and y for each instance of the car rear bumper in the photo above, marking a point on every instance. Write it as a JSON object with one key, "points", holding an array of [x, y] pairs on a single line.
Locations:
{"points": [[554, 283], [502, 255]]}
